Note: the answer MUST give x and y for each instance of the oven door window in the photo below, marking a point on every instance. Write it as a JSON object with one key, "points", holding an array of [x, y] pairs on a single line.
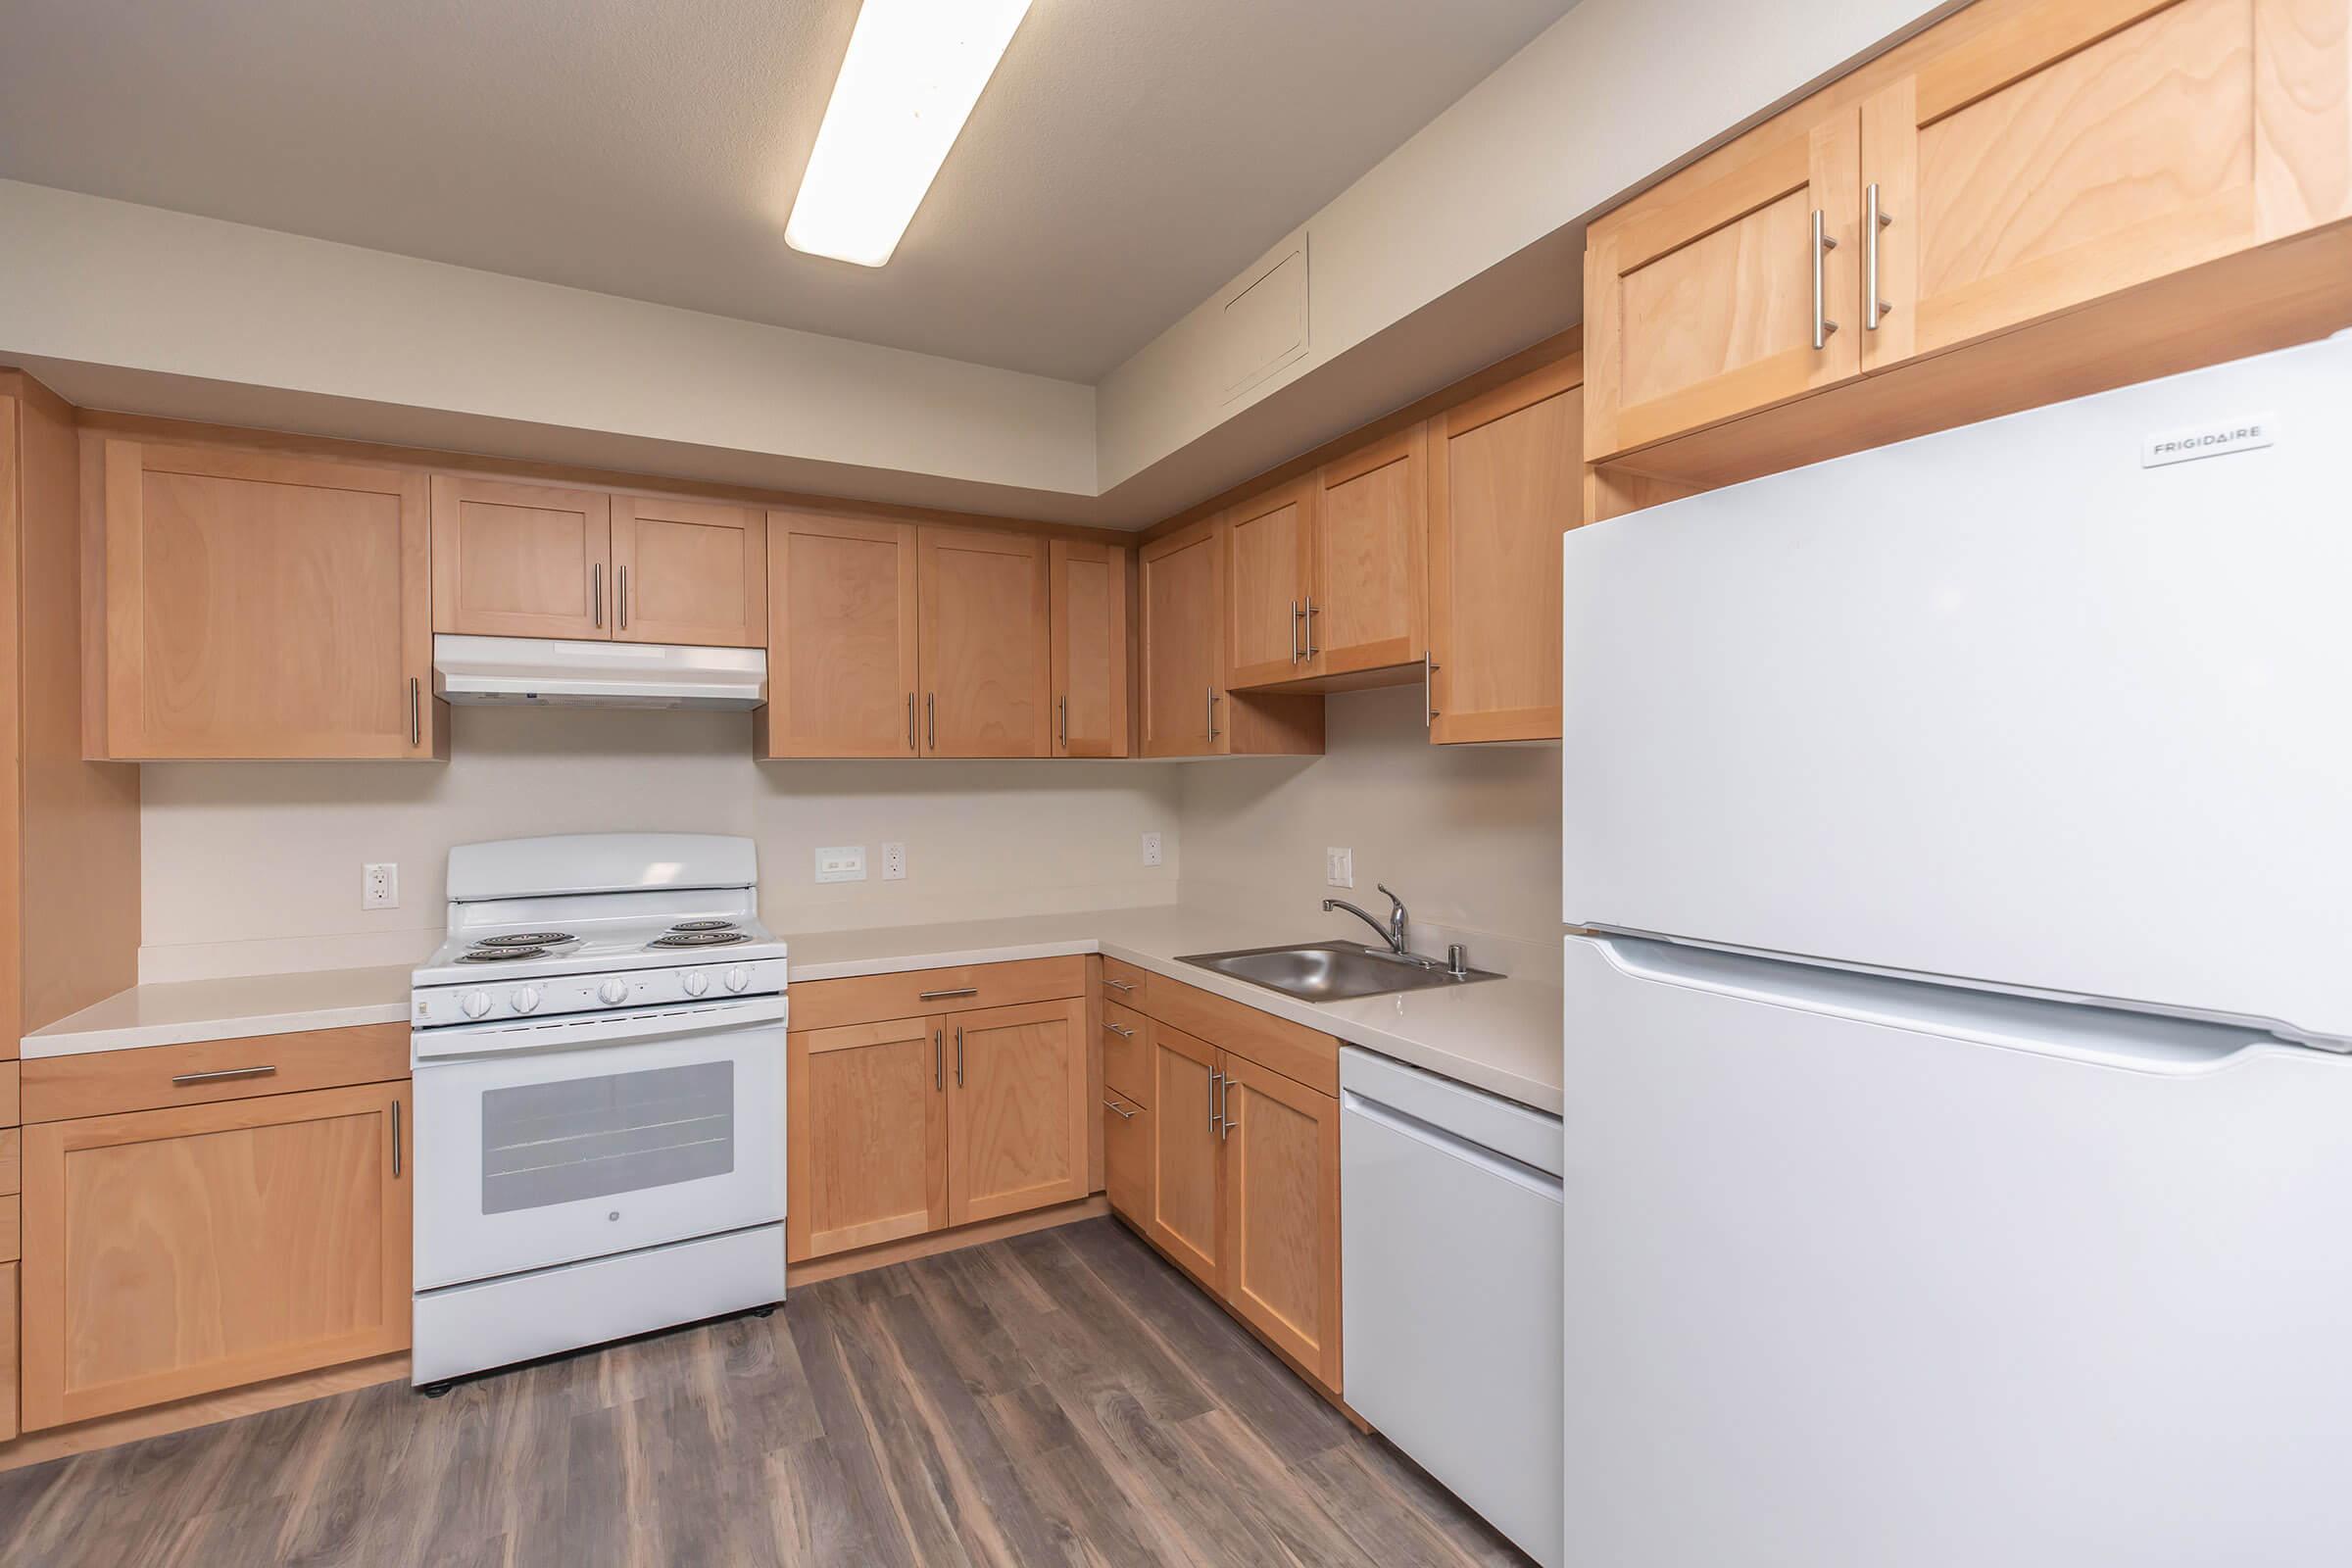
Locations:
{"points": [[624, 1132]]}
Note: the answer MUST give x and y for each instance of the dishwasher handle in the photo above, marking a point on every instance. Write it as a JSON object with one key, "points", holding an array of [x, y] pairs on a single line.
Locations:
{"points": [[1406, 1125]]}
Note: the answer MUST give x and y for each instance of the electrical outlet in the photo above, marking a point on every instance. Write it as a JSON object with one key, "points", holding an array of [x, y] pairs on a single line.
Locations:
{"points": [[843, 864], [1339, 868], [893, 863], [379, 885], [1150, 848]]}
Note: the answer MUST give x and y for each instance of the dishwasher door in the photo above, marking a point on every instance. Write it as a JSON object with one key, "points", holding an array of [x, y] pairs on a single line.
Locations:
{"points": [[1450, 1269]]}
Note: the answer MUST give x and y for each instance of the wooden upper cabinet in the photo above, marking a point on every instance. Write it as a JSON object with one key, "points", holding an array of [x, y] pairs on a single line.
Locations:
{"points": [[1018, 1108], [867, 1158], [1505, 483], [1269, 575], [1087, 593], [1706, 301], [1370, 543], [2073, 150], [265, 606], [689, 571], [1186, 1161], [1181, 587], [521, 559], [1280, 1240], [986, 647], [841, 646], [174, 1252]]}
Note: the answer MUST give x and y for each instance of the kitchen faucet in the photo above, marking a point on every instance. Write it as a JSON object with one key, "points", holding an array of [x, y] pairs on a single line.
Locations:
{"points": [[1393, 933]]}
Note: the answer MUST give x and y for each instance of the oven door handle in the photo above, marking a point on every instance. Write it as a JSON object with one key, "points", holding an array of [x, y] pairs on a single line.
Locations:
{"points": [[583, 1030]]}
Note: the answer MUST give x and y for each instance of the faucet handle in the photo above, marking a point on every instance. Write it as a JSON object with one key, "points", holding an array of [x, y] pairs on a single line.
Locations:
{"points": [[1392, 898]]}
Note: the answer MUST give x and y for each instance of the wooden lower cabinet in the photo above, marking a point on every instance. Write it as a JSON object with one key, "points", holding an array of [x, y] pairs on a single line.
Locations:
{"points": [[900, 1127], [8, 1352], [1279, 1231], [1126, 1154], [1181, 1215], [178, 1251]]}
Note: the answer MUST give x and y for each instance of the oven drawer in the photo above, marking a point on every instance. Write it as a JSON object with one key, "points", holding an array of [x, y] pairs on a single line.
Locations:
{"points": [[919, 993], [101, 1083]]}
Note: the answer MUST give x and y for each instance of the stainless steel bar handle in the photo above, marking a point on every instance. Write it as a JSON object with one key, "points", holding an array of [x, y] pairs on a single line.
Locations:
{"points": [[596, 590], [937, 995], [1311, 648], [939, 1058], [1216, 1107], [1213, 712], [222, 1075], [1061, 720], [1296, 616], [1429, 691], [396, 1139], [416, 716], [911, 746], [960, 1056], [1823, 244], [624, 599], [1113, 1105], [1119, 1029], [931, 720], [1873, 307], [1119, 985], [1225, 1112]]}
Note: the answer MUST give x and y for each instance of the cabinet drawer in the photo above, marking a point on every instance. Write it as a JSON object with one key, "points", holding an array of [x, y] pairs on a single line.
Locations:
{"points": [[916, 993], [1298, 1053], [1123, 982], [99, 1083], [1127, 1155], [1126, 1051]]}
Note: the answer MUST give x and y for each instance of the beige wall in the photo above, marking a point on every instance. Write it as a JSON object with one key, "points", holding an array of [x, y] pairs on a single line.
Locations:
{"points": [[254, 867], [1468, 835]]}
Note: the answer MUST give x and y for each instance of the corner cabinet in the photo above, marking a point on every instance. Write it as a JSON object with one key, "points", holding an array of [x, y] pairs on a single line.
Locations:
{"points": [[1189, 706], [259, 606]]}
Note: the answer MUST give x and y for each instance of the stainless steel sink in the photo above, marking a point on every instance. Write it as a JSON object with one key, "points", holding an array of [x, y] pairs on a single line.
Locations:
{"points": [[1333, 971]]}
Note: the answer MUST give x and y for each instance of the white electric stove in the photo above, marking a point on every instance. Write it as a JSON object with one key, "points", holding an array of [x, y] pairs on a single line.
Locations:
{"points": [[599, 1060]]}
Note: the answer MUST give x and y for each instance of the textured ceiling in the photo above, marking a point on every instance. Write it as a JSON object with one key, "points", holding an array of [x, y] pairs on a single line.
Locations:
{"points": [[1130, 157]]}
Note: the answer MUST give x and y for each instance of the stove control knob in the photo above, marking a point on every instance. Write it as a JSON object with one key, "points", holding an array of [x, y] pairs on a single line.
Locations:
{"points": [[475, 1003], [526, 1000], [696, 982], [738, 977], [613, 992]]}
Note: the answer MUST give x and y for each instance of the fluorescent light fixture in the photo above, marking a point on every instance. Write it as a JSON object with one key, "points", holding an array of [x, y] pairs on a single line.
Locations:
{"points": [[908, 82]]}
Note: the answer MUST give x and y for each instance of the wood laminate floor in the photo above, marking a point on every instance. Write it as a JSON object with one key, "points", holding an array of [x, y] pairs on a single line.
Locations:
{"points": [[1058, 1397]]}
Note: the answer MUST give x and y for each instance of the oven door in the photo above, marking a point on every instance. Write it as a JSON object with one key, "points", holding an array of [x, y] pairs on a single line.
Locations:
{"points": [[537, 1145]]}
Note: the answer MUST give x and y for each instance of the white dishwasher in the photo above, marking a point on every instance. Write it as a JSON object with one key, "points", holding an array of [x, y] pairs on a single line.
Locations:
{"points": [[1451, 1293]]}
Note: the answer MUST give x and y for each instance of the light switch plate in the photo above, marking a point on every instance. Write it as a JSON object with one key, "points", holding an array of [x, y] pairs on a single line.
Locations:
{"points": [[893, 863], [844, 863], [379, 885], [1339, 868], [1150, 848]]}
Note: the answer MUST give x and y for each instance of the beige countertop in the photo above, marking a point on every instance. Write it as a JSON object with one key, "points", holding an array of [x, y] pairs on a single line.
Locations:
{"points": [[1502, 1036]]}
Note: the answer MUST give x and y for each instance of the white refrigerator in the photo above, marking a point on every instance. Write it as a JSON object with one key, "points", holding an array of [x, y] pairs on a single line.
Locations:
{"points": [[1958, 1140]]}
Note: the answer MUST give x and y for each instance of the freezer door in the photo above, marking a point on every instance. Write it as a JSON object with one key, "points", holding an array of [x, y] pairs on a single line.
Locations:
{"points": [[2001, 704], [1870, 1274]]}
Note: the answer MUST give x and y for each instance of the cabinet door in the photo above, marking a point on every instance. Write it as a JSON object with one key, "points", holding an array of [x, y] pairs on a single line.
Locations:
{"points": [[1268, 576], [174, 1252], [1703, 304], [521, 559], [262, 606], [1018, 1108], [1505, 483], [1182, 1218], [1127, 1155], [986, 649], [1183, 596], [686, 571], [865, 1135], [841, 643], [2073, 152], [1088, 596], [1371, 538], [1281, 1237]]}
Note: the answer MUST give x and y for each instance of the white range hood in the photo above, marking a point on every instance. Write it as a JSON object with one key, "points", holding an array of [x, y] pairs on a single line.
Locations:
{"points": [[594, 674]]}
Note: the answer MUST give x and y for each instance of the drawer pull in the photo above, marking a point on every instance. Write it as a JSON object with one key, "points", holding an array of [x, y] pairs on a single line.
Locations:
{"points": [[1119, 985], [1124, 1112], [222, 1075], [1121, 1030], [935, 996]]}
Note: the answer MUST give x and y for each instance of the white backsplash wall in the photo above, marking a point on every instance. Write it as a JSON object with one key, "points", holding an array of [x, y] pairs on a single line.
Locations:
{"points": [[1468, 835], [254, 867]]}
